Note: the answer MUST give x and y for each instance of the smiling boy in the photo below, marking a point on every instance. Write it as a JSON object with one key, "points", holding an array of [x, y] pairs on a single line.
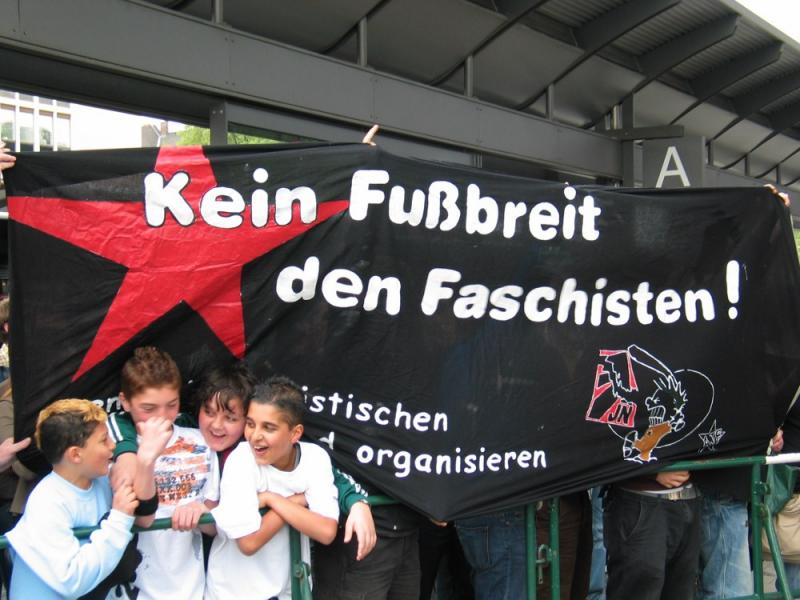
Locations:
{"points": [[250, 555]]}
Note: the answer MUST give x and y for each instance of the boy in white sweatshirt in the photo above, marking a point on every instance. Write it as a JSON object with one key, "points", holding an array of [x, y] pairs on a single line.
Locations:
{"points": [[49, 561]]}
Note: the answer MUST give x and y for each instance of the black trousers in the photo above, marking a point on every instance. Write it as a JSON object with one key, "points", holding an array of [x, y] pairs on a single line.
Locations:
{"points": [[390, 572], [653, 546]]}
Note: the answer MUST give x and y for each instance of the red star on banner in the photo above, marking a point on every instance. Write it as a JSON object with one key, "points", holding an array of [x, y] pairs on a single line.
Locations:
{"points": [[197, 264]]}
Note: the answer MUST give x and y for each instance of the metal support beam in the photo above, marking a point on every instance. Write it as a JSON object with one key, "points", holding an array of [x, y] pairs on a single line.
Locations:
{"points": [[628, 110], [645, 133], [602, 31], [550, 105], [785, 117], [669, 55], [720, 77], [751, 102], [218, 12], [363, 43], [218, 123], [353, 30], [213, 63], [469, 77], [516, 12], [777, 166], [672, 53], [780, 121]]}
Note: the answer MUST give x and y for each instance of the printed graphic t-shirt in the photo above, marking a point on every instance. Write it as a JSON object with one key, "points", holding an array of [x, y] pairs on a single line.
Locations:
{"points": [[172, 561]]}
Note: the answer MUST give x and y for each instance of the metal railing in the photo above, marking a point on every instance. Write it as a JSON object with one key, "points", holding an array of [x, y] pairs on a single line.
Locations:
{"points": [[761, 518]]}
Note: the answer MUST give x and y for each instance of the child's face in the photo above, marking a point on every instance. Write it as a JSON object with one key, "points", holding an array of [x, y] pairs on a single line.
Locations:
{"points": [[221, 428], [96, 454], [152, 402], [270, 437]]}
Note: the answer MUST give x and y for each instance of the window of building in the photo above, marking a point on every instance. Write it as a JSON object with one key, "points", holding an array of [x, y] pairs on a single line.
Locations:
{"points": [[26, 136], [7, 131], [45, 131], [63, 131]]}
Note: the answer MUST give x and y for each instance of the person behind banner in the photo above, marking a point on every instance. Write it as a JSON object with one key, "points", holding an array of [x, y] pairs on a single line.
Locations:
{"points": [[184, 477], [273, 469], [652, 533], [392, 569], [49, 561], [221, 401]]}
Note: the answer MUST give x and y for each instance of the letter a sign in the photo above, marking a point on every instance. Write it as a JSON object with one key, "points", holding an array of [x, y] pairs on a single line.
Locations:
{"points": [[674, 162]]}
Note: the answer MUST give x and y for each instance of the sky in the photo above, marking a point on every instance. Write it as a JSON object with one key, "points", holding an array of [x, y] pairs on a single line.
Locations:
{"points": [[782, 14]]}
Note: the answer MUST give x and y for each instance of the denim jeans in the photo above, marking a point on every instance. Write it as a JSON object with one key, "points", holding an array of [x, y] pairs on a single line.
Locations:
{"points": [[724, 549], [792, 576], [597, 578], [494, 545]]}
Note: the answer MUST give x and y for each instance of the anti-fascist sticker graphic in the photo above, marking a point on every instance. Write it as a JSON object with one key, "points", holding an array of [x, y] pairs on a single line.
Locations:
{"points": [[645, 403]]}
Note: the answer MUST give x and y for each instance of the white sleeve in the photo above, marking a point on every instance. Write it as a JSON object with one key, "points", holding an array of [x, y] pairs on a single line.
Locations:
{"points": [[237, 513], [211, 489], [322, 496], [44, 540]]}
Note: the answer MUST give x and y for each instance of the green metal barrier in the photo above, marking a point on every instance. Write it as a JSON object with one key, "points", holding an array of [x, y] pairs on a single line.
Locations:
{"points": [[760, 519]]}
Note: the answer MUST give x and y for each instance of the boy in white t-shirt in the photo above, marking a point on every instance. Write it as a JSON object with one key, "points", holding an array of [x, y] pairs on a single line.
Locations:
{"points": [[185, 479], [250, 555]]}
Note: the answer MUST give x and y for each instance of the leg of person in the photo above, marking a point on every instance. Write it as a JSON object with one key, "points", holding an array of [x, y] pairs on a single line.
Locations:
{"points": [[405, 582], [454, 580], [724, 549], [792, 577], [433, 545], [635, 530], [683, 549], [494, 546], [337, 573], [597, 578], [583, 555]]}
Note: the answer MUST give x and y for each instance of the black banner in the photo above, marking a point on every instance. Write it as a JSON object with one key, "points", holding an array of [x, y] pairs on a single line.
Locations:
{"points": [[468, 341]]}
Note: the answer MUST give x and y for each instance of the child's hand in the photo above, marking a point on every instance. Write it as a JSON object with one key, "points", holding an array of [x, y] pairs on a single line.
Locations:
{"points": [[672, 479], [360, 522], [187, 516], [6, 160], [8, 449], [124, 499], [265, 497], [155, 433], [299, 499]]}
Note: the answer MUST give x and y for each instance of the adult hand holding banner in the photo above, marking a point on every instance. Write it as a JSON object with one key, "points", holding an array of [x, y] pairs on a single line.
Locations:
{"points": [[468, 341]]}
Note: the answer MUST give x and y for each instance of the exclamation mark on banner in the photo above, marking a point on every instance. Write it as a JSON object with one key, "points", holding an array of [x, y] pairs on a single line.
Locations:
{"points": [[732, 281]]}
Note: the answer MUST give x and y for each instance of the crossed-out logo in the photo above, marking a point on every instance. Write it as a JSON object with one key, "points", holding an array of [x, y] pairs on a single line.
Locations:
{"points": [[648, 405]]}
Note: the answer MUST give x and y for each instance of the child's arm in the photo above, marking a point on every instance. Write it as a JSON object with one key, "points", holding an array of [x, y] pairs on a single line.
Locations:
{"points": [[314, 525], [47, 545], [353, 503], [271, 523], [123, 432], [155, 434]]}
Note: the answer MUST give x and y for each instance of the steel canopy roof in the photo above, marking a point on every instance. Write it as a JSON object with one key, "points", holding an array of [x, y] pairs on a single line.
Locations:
{"points": [[708, 65]]}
